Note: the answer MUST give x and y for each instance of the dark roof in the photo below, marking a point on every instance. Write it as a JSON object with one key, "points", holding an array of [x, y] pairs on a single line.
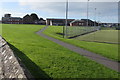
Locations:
{"points": [[86, 19], [77, 21], [15, 18], [57, 19]]}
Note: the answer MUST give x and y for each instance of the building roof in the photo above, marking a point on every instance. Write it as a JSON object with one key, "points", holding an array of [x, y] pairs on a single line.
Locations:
{"points": [[15, 18], [57, 19], [77, 21]]}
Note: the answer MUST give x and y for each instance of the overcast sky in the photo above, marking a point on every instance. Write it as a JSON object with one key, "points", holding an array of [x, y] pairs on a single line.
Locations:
{"points": [[106, 11]]}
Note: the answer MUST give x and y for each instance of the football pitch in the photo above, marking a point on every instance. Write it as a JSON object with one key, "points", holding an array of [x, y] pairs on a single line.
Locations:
{"points": [[107, 36], [104, 49], [72, 31]]}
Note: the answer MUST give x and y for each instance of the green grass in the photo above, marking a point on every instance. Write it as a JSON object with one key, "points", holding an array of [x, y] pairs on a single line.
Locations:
{"points": [[46, 59], [108, 28], [77, 30], [109, 36], [107, 50]]}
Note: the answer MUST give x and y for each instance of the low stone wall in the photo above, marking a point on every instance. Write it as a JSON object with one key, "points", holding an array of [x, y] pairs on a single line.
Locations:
{"points": [[10, 67]]}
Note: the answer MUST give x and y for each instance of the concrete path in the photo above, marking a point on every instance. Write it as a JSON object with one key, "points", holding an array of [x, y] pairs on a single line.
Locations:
{"points": [[96, 57]]}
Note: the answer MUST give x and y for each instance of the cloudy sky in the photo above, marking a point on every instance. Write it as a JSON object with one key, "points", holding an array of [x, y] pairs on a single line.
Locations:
{"points": [[106, 10]]}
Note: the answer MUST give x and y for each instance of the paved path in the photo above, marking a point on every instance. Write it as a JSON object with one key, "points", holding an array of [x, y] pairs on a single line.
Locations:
{"points": [[96, 57]]}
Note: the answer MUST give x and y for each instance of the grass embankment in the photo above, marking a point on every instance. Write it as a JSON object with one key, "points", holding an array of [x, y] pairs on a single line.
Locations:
{"points": [[104, 49], [47, 59]]}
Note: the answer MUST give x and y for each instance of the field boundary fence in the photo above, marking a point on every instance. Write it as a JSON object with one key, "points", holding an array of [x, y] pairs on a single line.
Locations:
{"points": [[74, 31]]}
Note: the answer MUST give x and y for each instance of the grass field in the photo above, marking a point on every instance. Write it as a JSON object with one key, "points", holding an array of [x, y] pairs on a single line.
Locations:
{"points": [[107, 50], [108, 28], [75, 30], [47, 59], [109, 36]]}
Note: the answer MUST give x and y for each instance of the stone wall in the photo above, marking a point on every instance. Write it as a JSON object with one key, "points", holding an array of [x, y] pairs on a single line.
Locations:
{"points": [[10, 66]]}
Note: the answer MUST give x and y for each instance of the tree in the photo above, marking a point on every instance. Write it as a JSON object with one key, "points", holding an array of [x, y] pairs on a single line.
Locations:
{"points": [[27, 19], [41, 19], [34, 17]]}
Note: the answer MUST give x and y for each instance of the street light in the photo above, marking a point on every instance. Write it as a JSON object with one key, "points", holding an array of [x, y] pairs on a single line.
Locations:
{"points": [[99, 18], [65, 28], [87, 11], [95, 17]]}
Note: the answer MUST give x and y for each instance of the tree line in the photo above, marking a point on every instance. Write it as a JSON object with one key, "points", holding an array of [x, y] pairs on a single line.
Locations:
{"points": [[32, 19]]}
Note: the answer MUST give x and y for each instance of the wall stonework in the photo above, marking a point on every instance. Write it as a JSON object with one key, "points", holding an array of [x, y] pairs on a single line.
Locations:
{"points": [[9, 65]]}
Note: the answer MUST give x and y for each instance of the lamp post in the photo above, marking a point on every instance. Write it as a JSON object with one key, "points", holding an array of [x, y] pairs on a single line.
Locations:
{"points": [[94, 24], [95, 17], [99, 18], [118, 14], [87, 11], [65, 27]]}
